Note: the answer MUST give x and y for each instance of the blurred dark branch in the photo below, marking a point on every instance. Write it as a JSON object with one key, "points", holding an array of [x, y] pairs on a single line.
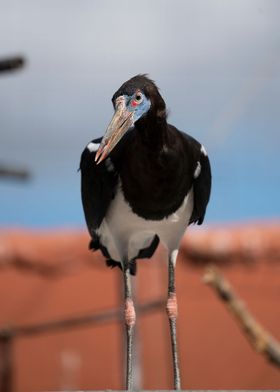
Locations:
{"points": [[7, 334], [259, 338], [6, 365], [14, 173], [93, 318], [11, 64]]}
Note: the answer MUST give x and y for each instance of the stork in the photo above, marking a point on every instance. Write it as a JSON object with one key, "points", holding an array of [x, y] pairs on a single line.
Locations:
{"points": [[143, 183]]}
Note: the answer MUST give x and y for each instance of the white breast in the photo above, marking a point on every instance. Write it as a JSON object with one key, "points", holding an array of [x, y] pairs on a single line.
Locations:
{"points": [[124, 233]]}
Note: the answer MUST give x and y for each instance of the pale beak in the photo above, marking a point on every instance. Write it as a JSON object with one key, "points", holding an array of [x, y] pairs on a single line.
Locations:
{"points": [[119, 125]]}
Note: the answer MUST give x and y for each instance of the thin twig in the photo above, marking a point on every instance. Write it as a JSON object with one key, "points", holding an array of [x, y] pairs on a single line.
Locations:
{"points": [[11, 63], [14, 173], [259, 338]]}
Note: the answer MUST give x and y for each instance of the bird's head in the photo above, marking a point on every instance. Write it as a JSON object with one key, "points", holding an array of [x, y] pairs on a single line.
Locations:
{"points": [[136, 101]]}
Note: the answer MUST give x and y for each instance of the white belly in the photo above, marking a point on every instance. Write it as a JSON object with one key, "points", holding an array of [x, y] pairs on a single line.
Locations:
{"points": [[124, 233]]}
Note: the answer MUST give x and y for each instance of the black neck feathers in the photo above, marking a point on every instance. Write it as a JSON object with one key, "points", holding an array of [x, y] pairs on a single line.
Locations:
{"points": [[152, 128], [152, 132]]}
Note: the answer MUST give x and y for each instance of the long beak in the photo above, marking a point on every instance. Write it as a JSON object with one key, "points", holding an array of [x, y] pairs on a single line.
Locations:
{"points": [[119, 125]]}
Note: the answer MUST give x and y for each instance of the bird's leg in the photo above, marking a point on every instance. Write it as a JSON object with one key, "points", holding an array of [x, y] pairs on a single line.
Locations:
{"points": [[171, 308], [130, 318]]}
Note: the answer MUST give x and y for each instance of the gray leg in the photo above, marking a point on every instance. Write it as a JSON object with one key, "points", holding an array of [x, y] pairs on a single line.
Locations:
{"points": [[129, 321], [171, 309]]}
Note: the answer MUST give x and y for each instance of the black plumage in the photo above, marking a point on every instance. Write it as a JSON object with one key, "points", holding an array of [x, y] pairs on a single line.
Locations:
{"points": [[143, 182], [155, 165]]}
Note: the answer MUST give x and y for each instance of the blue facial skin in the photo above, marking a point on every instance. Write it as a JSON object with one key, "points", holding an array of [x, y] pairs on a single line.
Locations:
{"points": [[141, 109]]}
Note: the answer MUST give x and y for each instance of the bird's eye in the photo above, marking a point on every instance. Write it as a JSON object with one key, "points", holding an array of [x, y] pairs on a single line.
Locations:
{"points": [[138, 97]]}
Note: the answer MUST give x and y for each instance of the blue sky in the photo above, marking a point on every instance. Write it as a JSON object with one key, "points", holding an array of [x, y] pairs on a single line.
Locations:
{"points": [[216, 62]]}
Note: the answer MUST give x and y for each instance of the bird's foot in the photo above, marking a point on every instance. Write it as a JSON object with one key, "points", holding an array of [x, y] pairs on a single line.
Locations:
{"points": [[129, 313], [171, 306]]}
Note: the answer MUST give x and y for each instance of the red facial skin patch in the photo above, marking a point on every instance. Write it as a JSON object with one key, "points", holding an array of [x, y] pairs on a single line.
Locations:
{"points": [[134, 103]]}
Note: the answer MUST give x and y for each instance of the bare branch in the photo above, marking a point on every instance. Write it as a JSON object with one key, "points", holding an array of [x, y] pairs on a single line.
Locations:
{"points": [[11, 63], [14, 172], [259, 338], [74, 322]]}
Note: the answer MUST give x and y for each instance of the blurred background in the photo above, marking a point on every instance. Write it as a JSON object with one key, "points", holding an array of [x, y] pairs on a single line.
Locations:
{"points": [[217, 64]]}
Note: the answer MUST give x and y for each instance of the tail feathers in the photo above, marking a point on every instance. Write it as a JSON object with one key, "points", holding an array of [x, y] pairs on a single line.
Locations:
{"points": [[95, 245]]}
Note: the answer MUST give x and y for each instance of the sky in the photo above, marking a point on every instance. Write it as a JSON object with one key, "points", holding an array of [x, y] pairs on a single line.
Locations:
{"points": [[217, 63]]}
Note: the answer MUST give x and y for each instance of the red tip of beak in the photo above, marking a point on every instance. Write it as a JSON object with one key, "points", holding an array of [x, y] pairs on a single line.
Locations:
{"points": [[101, 154]]}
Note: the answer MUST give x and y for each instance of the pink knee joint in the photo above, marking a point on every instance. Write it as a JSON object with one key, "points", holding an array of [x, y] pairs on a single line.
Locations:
{"points": [[129, 313], [171, 306]]}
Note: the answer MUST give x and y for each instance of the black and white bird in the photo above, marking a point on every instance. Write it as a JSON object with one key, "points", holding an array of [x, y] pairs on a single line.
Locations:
{"points": [[143, 183]]}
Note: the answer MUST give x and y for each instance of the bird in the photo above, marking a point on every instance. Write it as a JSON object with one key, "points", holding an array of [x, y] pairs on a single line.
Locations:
{"points": [[143, 183]]}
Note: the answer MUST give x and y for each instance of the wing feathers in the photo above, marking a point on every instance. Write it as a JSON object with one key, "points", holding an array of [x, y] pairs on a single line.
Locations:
{"points": [[97, 186]]}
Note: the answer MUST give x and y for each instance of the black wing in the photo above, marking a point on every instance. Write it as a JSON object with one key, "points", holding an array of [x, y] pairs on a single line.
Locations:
{"points": [[202, 178], [98, 186], [202, 190]]}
